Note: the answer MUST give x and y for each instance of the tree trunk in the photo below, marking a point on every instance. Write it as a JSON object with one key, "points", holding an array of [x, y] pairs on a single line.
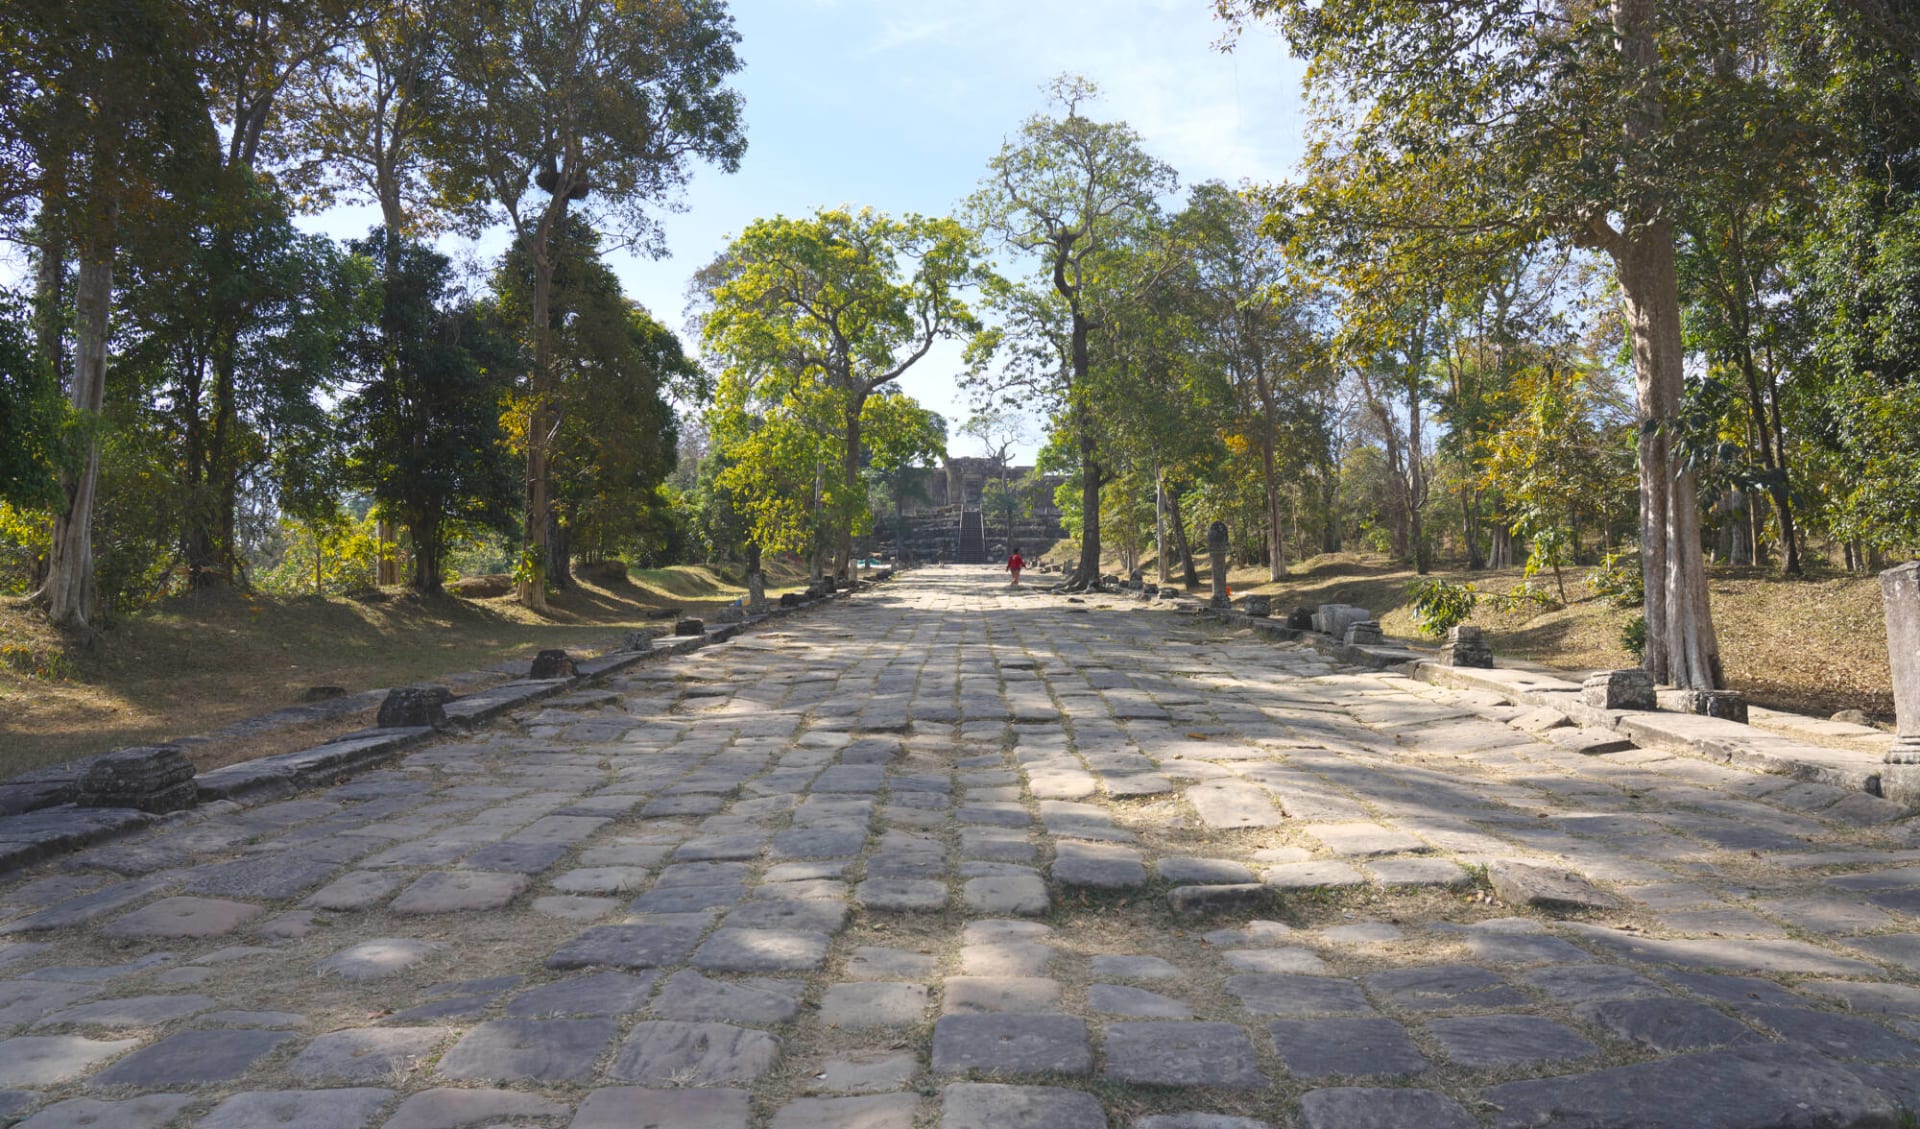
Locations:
{"points": [[69, 589], [1087, 573], [1276, 528], [1160, 527], [1681, 645], [427, 550], [1416, 477], [49, 294], [1190, 576], [1470, 528], [533, 583], [850, 480]]}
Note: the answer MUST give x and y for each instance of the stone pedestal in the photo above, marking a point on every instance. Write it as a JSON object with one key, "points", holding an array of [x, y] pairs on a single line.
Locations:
{"points": [[152, 778], [1900, 592], [1467, 646], [1620, 690], [1217, 541], [552, 664], [1366, 633], [412, 706]]}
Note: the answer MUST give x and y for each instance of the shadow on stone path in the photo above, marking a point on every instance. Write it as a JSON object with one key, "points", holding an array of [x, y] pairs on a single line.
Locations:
{"points": [[930, 857]]}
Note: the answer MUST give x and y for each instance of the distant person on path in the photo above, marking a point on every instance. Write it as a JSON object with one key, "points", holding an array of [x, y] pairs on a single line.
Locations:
{"points": [[1015, 564]]}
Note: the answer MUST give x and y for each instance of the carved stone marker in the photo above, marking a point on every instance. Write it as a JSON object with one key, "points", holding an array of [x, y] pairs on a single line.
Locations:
{"points": [[756, 593], [552, 664], [690, 626], [412, 706], [1365, 633], [637, 641], [1900, 591], [1620, 690], [1217, 541], [1467, 646], [152, 778], [1260, 607]]}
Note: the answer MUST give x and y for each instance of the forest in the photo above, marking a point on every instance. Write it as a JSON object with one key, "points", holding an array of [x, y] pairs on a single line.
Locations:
{"points": [[1626, 290]]}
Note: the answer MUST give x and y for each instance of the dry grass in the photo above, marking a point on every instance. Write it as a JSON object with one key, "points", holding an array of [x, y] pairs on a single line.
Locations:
{"points": [[1813, 645], [199, 662]]}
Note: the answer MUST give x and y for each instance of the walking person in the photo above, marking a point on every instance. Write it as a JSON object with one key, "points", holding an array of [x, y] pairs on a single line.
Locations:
{"points": [[1015, 564]]}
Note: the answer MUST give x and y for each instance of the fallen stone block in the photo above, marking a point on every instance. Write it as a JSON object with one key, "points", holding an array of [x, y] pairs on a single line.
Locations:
{"points": [[552, 664], [412, 706], [1542, 887], [1242, 897], [1619, 690]]}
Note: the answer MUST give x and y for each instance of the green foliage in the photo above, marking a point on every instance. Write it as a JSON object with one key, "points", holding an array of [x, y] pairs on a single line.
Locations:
{"points": [[325, 555], [1439, 605], [1618, 578], [422, 432], [1524, 598], [32, 415], [1633, 637]]}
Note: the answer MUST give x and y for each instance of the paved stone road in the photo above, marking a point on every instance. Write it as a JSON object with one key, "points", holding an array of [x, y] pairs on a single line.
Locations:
{"points": [[907, 862]]}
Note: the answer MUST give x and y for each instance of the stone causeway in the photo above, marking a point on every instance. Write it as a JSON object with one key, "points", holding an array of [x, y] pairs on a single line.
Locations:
{"points": [[946, 853]]}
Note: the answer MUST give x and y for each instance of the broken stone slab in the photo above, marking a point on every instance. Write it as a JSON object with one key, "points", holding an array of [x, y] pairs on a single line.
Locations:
{"points": [[552, 664], [414, 706], [1589, 740], [1236, 898], [1619, 690], [1547, 888]]}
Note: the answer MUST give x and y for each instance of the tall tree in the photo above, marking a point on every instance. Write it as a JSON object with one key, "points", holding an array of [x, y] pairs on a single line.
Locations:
{"points": [[1070, 192], [1594, 122], [600, 103], [425, 440], [845, 302]]}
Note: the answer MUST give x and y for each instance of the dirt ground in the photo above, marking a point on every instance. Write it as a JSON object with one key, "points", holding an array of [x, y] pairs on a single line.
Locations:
{"points": [[200, 662], [1813, 645]]}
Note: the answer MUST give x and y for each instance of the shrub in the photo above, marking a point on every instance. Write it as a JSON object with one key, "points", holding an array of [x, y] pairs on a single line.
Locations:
{"points": [[1617, 578], [1524, 597], [1439, 605], [1633, 636]]}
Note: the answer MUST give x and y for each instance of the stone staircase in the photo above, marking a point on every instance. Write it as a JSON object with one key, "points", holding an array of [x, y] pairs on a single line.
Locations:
{"points": [[972, 547]]}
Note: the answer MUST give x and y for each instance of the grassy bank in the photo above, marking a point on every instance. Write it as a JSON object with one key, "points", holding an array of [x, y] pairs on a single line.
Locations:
{"points": [[198, 662]]}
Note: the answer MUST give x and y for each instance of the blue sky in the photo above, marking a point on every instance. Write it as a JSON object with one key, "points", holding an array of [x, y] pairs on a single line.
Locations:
{"points": [[897, 106]]}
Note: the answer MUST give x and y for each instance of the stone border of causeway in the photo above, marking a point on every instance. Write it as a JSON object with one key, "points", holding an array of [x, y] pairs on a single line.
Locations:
{"points": [[61, 826], [1666, 729]]}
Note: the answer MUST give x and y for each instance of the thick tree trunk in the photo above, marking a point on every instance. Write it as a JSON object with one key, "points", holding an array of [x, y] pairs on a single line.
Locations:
{"points": [[427, 549], [49, 297], [1681, 645], [1087, 573], [70, 589], [1416, 479], [1470, 528], [850, 481]]}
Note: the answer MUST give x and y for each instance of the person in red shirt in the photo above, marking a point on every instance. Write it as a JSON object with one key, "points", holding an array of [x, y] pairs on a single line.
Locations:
{"points": [[1014, 565]]}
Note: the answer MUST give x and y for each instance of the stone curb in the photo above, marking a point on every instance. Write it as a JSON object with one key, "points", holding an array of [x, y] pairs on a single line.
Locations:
{"points": [[1709, 738], [36, 835]]}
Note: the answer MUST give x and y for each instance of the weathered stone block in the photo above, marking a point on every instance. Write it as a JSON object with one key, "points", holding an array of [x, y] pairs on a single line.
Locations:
{"points": [[1900, 592], [790, 599], [1300, 619], [1260, 607], [689, 627], [1723, 704], [1333, 619], [411, 706], [637, 641], [1619, 690], [154, 778], [552, 664], [1366, 633], [1467, 647]]}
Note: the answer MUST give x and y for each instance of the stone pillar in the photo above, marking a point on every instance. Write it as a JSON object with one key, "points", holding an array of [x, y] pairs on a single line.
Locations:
{"points": [[1900, 591], [1217, 549], [1467, 647], [756, 593]]}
